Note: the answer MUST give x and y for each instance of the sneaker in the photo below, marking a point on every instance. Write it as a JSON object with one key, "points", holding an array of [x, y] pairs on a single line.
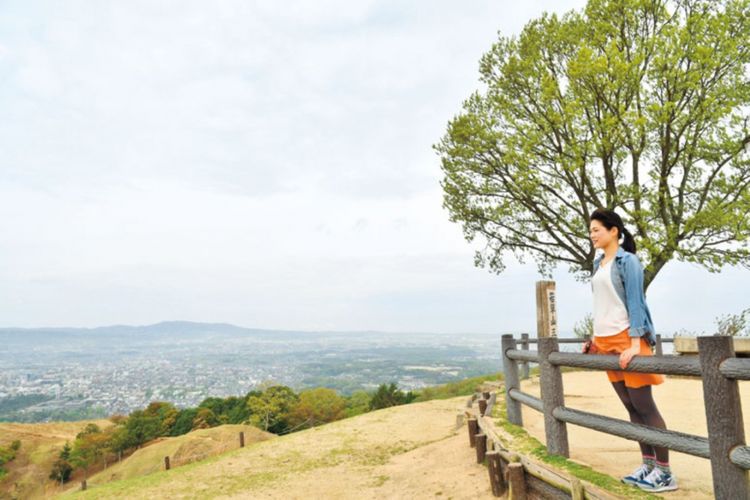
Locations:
{"points": [[637, 475], [657, 481]]}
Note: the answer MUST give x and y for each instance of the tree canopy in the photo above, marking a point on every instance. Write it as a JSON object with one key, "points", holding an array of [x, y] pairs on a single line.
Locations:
{"points": [[390, 395], [317, 406], [636, 105], [270, 410]]}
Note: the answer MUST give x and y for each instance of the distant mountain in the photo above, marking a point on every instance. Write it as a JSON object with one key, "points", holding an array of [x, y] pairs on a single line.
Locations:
{"points": [[183, 327], [166, 331], [161, 332], [190, 328], [163, 327]]}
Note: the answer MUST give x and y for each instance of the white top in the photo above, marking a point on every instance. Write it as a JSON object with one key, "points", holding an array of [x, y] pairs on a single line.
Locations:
{"points": [[610, 314]]}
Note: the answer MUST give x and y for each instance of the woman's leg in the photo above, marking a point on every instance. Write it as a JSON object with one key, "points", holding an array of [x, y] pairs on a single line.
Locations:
{"points": [[635, 416], [643, 401]]}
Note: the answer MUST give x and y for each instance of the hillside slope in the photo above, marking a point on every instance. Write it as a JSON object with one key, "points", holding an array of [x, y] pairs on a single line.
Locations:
{"points": [[40, 445], [409, 451], [181, 450]]}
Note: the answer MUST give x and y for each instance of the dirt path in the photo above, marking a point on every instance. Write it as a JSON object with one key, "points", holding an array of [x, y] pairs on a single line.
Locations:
{"points": [[681, 404], [444, 469]]}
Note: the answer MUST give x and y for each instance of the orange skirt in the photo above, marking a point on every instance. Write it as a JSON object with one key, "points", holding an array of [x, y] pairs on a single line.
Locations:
{"points": [[615, 344]]}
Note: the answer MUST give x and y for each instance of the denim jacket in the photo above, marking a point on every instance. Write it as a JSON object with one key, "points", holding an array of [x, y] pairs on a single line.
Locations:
{"points": [[627, 278]]}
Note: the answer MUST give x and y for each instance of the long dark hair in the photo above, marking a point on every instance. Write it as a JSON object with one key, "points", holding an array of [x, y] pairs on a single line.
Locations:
{"points": [[610, 219]]}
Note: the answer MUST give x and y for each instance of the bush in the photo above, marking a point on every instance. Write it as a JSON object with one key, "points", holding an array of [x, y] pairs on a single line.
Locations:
{"points": [[585, 327], [733, 324], [390, 395]]}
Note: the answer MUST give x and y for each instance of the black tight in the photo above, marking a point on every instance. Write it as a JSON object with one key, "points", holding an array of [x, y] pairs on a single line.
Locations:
{"points": [[642, 410]]}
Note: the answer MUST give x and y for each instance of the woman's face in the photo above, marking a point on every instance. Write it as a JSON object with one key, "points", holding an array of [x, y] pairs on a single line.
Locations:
{"points": [[600, 235]]}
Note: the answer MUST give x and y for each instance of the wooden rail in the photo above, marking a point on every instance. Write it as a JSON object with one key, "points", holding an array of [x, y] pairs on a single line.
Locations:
{"points": [[526, 341], [715, 364], [514, 474]]}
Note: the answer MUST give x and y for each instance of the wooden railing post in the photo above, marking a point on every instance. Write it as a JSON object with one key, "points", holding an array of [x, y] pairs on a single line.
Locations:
{"points": [[525, 364], [473, 426], [166, 463], [459, 421], [576, 489], [83, 485], [723, 418], [659, 347], [490, 405], [550, 382], [242, 439], [497, 481], [516, 482], [482, 406], [481, 441], [510, 367]]}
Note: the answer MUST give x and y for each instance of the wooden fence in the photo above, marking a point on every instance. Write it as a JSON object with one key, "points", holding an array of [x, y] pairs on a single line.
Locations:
{"points": [[518, 476], [716, 365], [526, 341]]}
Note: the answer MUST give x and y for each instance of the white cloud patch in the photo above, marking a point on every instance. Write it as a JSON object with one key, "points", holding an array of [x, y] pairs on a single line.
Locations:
{"points": [[258, 163]]}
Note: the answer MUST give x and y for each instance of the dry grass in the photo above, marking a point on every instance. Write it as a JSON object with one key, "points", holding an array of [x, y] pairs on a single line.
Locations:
{"points": [[181, 450], [40, 444], [28, 475], [410, 451]]}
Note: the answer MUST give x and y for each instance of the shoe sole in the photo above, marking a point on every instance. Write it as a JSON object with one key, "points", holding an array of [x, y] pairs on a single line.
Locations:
{"points": [[659, 489]]}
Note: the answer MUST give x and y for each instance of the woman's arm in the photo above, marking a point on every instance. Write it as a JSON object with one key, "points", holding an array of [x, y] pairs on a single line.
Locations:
{"points": [[633, 280], [627, 354]]}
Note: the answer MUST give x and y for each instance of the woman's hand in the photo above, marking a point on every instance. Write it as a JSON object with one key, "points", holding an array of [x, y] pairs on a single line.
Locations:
{"points": [[627, 354]]}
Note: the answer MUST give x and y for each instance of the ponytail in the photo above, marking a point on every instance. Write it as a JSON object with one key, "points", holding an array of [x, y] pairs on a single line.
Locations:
{"points": [[628, 243]]}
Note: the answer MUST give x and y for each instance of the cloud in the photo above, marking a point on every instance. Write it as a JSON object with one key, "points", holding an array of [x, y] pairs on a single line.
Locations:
{"points": [[258, 163], [244, 98]]}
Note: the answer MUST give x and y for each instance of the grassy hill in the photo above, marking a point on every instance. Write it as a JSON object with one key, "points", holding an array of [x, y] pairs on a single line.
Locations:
{"points": [[28, 473], [40, 444], [395, 452], [181, 450]]}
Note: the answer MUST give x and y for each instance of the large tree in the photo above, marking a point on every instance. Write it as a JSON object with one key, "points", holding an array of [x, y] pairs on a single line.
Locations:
{"points": [[270, 410], [636, 105], [317, 406]]}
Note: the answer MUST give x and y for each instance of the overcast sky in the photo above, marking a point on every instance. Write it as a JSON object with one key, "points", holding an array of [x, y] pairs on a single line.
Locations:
{"points": [[261, 163]]}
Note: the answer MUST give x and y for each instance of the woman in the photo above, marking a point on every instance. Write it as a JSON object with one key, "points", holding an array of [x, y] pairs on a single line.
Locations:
{"points": [[622, 325]]}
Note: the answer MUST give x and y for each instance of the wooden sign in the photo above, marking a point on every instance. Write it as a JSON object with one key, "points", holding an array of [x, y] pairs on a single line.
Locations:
{"points": [[546, 309]]}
